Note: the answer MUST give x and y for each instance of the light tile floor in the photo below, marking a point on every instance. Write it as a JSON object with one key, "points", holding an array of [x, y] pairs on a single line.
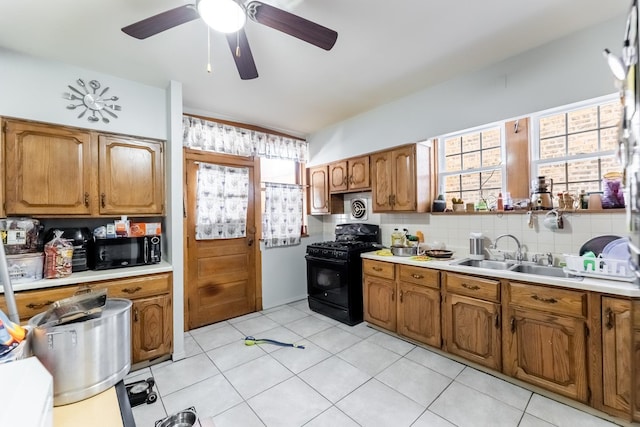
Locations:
{"points": [[346, 376]]}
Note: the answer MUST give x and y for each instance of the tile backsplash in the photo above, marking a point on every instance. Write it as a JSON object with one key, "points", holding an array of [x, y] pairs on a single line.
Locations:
{"points": [[453, 230]]}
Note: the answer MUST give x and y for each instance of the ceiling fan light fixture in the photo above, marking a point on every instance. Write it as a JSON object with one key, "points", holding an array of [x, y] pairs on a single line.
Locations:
{"points": [[225, 16]]}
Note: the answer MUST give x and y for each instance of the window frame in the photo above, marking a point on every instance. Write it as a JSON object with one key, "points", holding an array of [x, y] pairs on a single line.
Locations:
{"points": [[534, 141], [501, 166]]}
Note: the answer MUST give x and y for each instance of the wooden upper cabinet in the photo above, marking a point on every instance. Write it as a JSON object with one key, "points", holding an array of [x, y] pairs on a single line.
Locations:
{"points": [[319, 190], [350, 175], [131, 175], [59, 171], [48, 169], [401, 179]]}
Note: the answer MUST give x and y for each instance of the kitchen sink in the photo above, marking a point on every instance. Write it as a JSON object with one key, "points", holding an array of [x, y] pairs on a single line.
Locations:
{"points": [[539, 270], [484, 263]]}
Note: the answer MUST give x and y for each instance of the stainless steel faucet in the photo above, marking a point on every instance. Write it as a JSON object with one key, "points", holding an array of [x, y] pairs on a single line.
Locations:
{"points": [[518, 251]]}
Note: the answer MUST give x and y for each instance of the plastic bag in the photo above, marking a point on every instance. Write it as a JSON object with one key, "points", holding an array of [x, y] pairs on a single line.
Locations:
{"points": [[613, 196], [58, 256]]}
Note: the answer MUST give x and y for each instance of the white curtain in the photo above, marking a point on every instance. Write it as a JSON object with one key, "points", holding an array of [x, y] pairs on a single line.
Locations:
{"points": [[282, 219], [208, 135], [221, 202]]}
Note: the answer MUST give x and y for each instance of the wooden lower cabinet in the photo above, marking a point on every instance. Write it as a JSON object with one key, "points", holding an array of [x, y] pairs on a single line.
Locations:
{"points": [[151, 328], [419, 304], [380, 302], [151, 312], [471, 319], [543, 345]]}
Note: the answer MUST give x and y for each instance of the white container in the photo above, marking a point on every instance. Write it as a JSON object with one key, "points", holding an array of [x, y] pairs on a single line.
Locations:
{"points": [[476, 246], [25, 268]]}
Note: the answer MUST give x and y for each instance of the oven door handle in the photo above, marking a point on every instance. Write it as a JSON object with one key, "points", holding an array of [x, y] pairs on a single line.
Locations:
{"points": [[326, 260]]}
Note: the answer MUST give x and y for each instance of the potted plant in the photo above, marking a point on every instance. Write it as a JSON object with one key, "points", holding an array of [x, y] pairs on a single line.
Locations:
{"points": [[439, 204], [458, 205]]}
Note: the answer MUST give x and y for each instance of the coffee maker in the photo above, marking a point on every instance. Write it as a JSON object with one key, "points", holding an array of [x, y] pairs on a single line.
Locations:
{"points": [[542, 193]]}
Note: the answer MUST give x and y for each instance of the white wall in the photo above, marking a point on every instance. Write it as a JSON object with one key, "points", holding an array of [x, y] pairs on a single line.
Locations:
{"points": [[568, 70], [32, 88]]}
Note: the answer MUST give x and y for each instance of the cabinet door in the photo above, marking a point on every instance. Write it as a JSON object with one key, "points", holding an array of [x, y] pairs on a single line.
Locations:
{"points": [[151, 328], [616, 353], [131, 176], [48, 170], [404, 179], [547, 350], [338, 177], [472, 329], [381, 170], [319, 190], [359, 174], [380, 302], [419, 313]]}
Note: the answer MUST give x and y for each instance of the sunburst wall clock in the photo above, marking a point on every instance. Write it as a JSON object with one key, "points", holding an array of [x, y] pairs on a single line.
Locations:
{"points": [[93, 100]]}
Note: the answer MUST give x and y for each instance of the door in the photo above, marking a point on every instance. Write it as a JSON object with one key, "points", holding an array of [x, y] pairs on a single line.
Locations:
{"points": [[382, 189], [151, 328], [328, 280], [380, 302], [222, 275], [338, 177], [404, 179], [48, 170], [419, 313], [131, 176], [616, 353], [472, 329], [359, 174], [319, 190], [548, 351]]}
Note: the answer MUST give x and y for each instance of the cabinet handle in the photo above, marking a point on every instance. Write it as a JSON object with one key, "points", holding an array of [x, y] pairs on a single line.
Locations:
{"points": [[345, 180], [513, 325], [609, 315], [351, 180], [471, 287], [497, 321], [401, 292], [377, 268], [544, 300], [135, 315], [390, 200], [41, 305], [417, 276], [131, 290], [393, 295], [103, 199], [393, 200], [86, 199]]}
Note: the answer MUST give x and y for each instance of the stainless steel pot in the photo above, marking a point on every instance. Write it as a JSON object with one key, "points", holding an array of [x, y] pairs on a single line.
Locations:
{"points": [[404, 250], [85, 357]]}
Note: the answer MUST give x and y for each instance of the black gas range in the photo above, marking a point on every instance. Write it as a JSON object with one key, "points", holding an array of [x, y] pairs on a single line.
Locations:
{"points": [[334, 272]]}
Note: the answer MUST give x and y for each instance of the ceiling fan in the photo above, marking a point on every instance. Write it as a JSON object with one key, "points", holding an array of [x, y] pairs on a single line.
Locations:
{"points": [[229, 16]]}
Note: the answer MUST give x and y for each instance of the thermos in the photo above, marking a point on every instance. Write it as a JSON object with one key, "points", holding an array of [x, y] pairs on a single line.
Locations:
{"points": [[476, 246]]}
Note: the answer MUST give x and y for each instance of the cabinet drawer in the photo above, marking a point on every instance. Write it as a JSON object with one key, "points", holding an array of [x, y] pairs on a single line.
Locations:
{"points": [[137, 287], [476, 287], [419, 276], [30, 303], [544, 298], [379, 269]]}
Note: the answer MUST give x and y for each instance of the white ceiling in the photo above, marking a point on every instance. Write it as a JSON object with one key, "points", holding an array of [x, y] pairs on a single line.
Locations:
{"points": [[385, 50]]}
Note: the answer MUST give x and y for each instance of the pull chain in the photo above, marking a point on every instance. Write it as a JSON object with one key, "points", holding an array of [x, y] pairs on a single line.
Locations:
{"points": [[208, 50]]}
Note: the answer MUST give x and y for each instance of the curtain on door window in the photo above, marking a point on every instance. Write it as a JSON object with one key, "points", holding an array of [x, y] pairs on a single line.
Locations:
{"points": [[282, 219], [221, 202]]}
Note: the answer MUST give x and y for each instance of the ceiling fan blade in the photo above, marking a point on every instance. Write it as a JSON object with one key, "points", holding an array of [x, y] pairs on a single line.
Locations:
{"points": [[162, 21], [242, 55], [291, 24]]}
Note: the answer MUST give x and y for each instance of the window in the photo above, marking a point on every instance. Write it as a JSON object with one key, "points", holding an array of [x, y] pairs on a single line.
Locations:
{"points": [[471, 164], [575, 145], [282, 172]]}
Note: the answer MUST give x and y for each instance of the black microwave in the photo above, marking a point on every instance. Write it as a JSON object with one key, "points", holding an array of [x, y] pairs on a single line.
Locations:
{"points": [[125, 252]]}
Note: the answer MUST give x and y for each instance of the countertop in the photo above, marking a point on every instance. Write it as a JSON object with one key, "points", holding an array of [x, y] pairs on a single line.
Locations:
{"points": [[613, 287], [94, 276]]}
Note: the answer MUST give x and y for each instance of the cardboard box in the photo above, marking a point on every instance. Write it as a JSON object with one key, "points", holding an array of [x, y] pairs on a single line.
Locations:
{"points": [[138, 229]]}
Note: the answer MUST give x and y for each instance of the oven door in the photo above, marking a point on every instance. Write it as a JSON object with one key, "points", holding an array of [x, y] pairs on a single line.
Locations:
{"points": [[328, 280]]}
